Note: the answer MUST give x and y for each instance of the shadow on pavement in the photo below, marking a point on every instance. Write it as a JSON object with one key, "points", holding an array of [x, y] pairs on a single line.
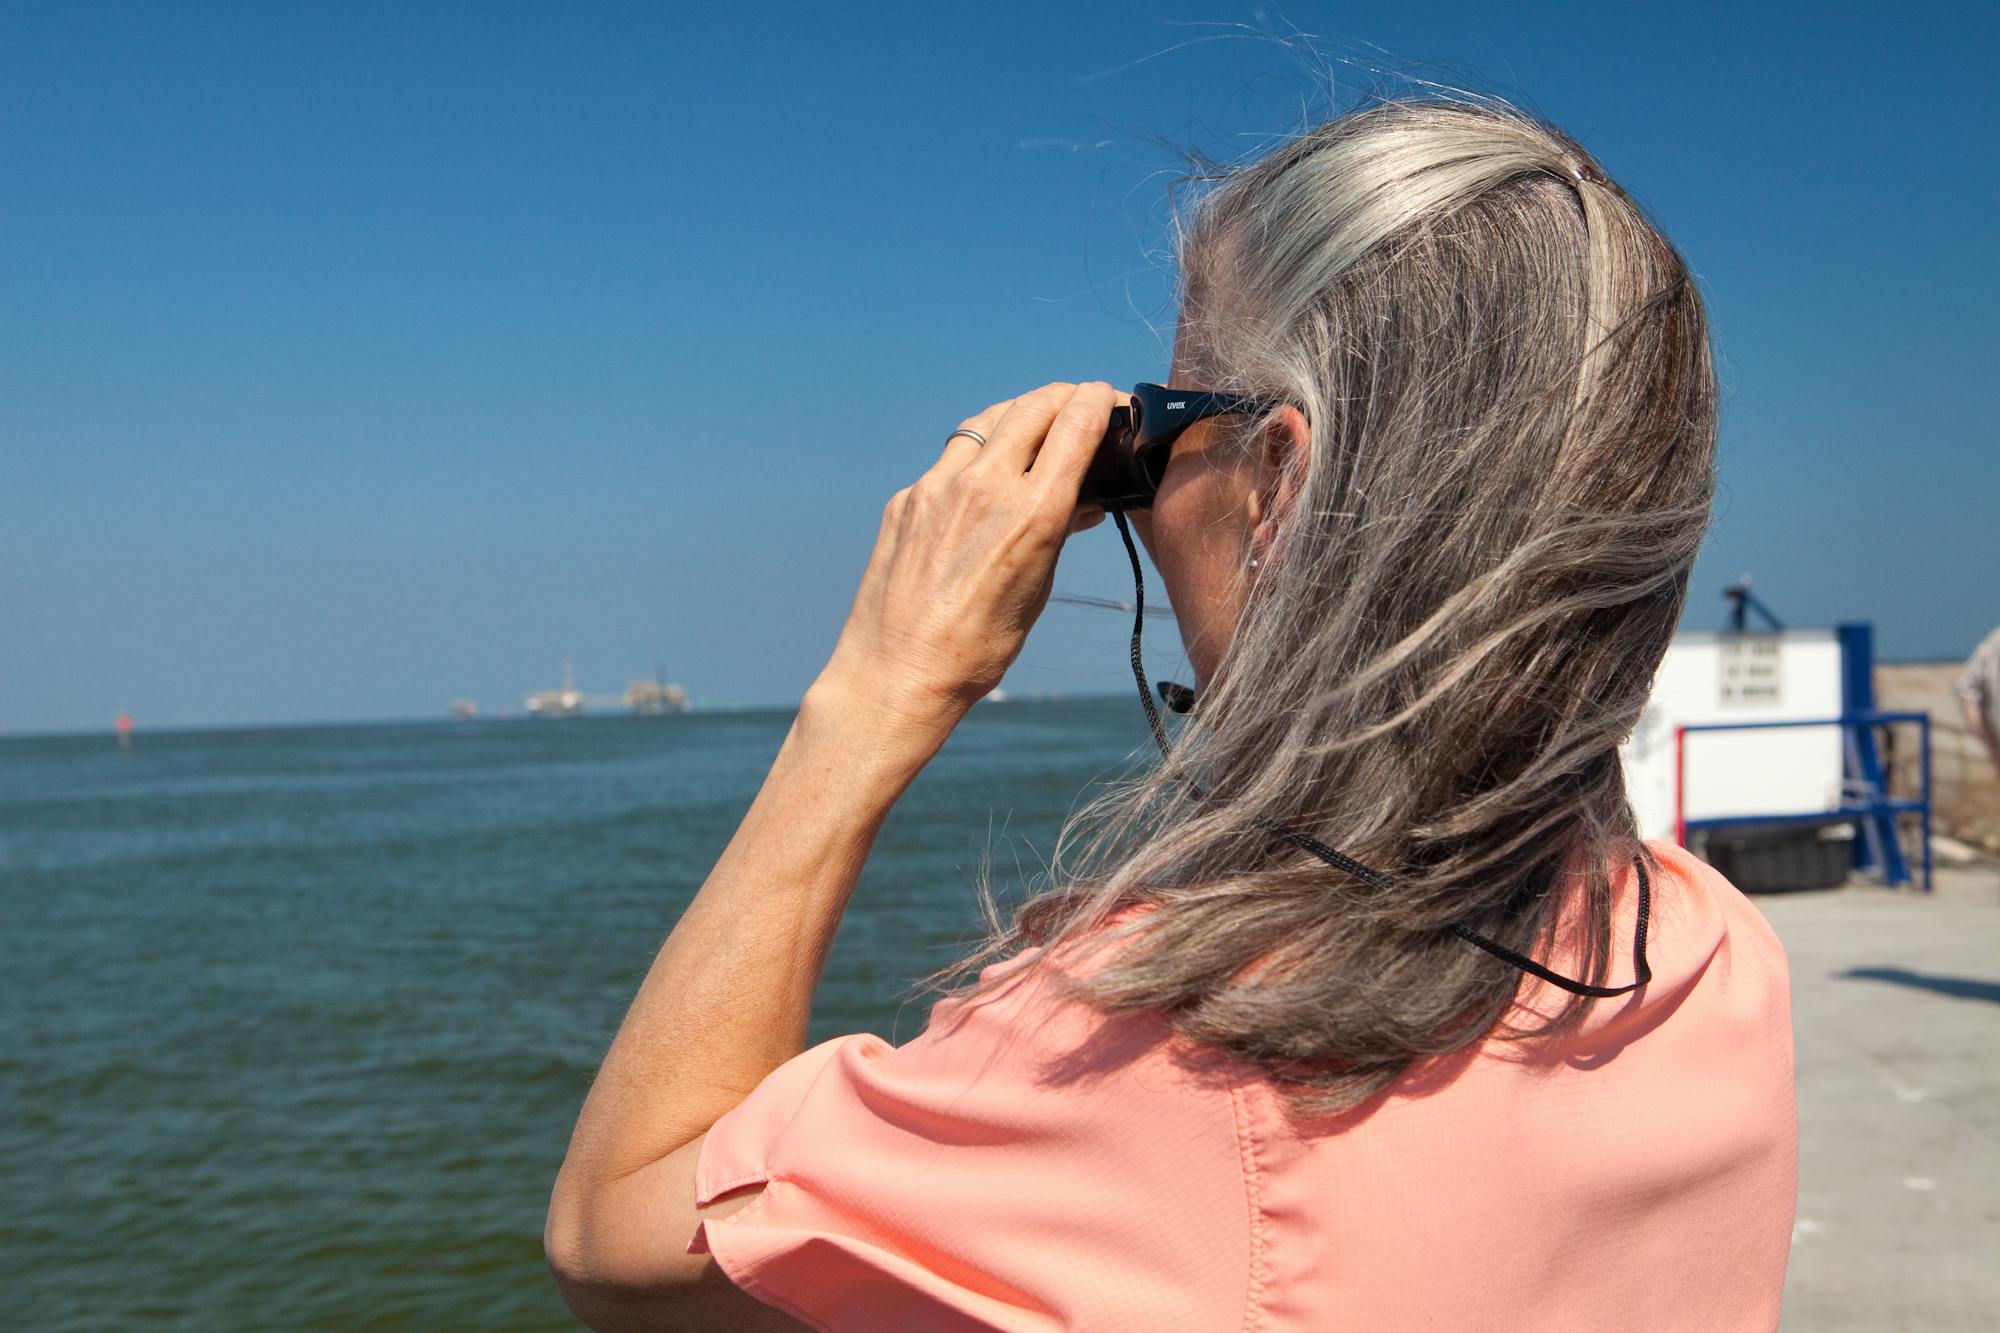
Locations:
{"points": [[1964, 988]]}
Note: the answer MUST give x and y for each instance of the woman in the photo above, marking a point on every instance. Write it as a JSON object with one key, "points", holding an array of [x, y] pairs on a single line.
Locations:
{"points": [[1367, 1009], [1978, 691]]}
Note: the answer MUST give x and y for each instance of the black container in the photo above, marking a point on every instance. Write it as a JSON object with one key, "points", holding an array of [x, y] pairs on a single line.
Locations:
{"points": [[1779, 857]]}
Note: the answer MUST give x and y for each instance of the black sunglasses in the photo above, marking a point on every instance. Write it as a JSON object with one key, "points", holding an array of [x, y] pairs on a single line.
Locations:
{"points": [[1133, 455]]}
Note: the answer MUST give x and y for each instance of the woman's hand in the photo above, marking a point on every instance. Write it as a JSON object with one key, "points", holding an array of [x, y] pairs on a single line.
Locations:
{"points": [[965, 560]]}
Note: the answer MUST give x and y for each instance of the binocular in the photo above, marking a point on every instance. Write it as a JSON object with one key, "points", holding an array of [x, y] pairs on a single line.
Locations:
{"points": [[1132, 457]]}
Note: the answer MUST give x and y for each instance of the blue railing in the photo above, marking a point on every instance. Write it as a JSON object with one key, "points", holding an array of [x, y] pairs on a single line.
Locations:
{"points": [[1865, 799]]}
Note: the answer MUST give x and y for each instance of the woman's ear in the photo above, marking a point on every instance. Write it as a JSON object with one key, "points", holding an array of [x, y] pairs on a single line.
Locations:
{"points": [[1284, 454]]}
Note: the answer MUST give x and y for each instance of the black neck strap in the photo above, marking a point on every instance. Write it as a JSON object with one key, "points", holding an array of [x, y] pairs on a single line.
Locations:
{"points": [[1340, 860]]}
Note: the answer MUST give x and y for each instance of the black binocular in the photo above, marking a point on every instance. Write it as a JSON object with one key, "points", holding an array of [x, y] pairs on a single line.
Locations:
{"points": [[1132, 457]]}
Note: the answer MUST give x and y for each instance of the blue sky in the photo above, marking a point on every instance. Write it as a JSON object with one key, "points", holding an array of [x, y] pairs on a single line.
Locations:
{"points": [[357, 358]]}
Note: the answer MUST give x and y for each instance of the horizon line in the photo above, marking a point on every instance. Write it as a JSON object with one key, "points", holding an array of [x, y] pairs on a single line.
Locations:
{"points": [[180, 729]]}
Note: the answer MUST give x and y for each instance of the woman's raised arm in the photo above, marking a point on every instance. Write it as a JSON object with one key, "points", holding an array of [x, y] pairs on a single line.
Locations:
{"points": [[725, 1002], [960, 571]]}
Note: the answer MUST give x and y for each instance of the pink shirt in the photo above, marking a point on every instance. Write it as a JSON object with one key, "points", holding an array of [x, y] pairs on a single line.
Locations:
{"points": [[989, 1174]]}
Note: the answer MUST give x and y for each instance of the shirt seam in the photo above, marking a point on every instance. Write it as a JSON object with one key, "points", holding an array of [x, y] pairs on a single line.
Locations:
{"points": [[1247, 1156], [747, 1277], [736, 1182]]}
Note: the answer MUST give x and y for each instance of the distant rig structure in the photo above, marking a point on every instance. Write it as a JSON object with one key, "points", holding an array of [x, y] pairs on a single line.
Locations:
{"points": [[659, 696], [645, 698]]}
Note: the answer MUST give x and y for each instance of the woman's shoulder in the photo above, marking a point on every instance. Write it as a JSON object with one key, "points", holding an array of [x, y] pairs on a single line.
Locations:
{"points": [[1713, 917], [1695, 924], [1022, 1153], [1023, 1015]]}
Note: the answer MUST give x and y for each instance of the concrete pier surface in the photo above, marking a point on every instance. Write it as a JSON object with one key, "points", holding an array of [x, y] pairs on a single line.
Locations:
{"points": [[1896, 1014]]}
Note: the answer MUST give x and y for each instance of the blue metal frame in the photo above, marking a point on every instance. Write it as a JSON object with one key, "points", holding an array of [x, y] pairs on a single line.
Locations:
{"points": [[1864, 765], [1874, 816]]}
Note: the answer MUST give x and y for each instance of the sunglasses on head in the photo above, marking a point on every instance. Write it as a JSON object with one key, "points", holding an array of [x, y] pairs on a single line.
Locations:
{"points": [[1132, 457]]}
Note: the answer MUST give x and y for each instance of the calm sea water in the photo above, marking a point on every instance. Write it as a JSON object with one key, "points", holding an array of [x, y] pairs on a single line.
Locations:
{"points": [[297, 1021]]}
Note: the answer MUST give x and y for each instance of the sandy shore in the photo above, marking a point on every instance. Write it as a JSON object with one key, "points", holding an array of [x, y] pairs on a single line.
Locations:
{"points": [[1965, 785]]}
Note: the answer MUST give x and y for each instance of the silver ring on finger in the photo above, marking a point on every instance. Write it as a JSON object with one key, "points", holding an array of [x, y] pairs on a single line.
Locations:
{"points": [[967, 431]]}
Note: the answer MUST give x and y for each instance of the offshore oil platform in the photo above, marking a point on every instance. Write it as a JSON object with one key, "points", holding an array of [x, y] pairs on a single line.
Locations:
{"points": [[647, 698]]}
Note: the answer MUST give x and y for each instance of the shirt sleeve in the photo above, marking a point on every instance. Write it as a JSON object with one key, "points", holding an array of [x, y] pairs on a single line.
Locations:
{"points": [[1022, 1164], [1977, 679]]}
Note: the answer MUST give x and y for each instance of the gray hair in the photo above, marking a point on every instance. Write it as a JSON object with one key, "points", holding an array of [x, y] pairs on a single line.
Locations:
{"points": [[1506, 373]]}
